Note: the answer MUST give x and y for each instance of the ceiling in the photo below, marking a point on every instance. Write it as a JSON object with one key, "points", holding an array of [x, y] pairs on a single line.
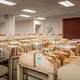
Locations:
{"points": [[44, 8]]}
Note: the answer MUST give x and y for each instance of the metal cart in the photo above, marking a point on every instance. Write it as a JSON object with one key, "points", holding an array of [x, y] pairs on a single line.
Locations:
{"points": [[24, 72]]}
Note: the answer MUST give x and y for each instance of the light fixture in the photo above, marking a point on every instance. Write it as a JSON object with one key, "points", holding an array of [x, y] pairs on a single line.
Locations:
{"points": [[66, 3], [7, 2], [24, 15], [40, 18], [28, 10]]}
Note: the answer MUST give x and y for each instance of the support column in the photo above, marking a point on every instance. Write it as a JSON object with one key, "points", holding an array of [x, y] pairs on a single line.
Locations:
{"points": [[9, 24]]}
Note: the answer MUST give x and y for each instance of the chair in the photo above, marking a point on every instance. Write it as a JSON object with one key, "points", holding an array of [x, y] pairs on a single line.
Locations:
{"points": [[3, 71]]}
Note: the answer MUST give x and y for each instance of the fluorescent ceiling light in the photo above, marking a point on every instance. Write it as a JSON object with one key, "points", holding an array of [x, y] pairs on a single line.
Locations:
{"points": [[24, 15], [28, 10], [66, 3], [40, 18], [7, 2]]}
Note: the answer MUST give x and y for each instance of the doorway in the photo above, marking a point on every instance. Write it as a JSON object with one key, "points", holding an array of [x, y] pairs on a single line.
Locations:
{"points": [[38, 29]]}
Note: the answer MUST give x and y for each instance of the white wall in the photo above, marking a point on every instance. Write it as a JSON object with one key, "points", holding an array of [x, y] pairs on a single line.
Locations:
{"points": [[24, 27], [28, 26], [71, 15], [21, 27], [10, 25], [2, 28], [41, 24], [56, 23]]}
